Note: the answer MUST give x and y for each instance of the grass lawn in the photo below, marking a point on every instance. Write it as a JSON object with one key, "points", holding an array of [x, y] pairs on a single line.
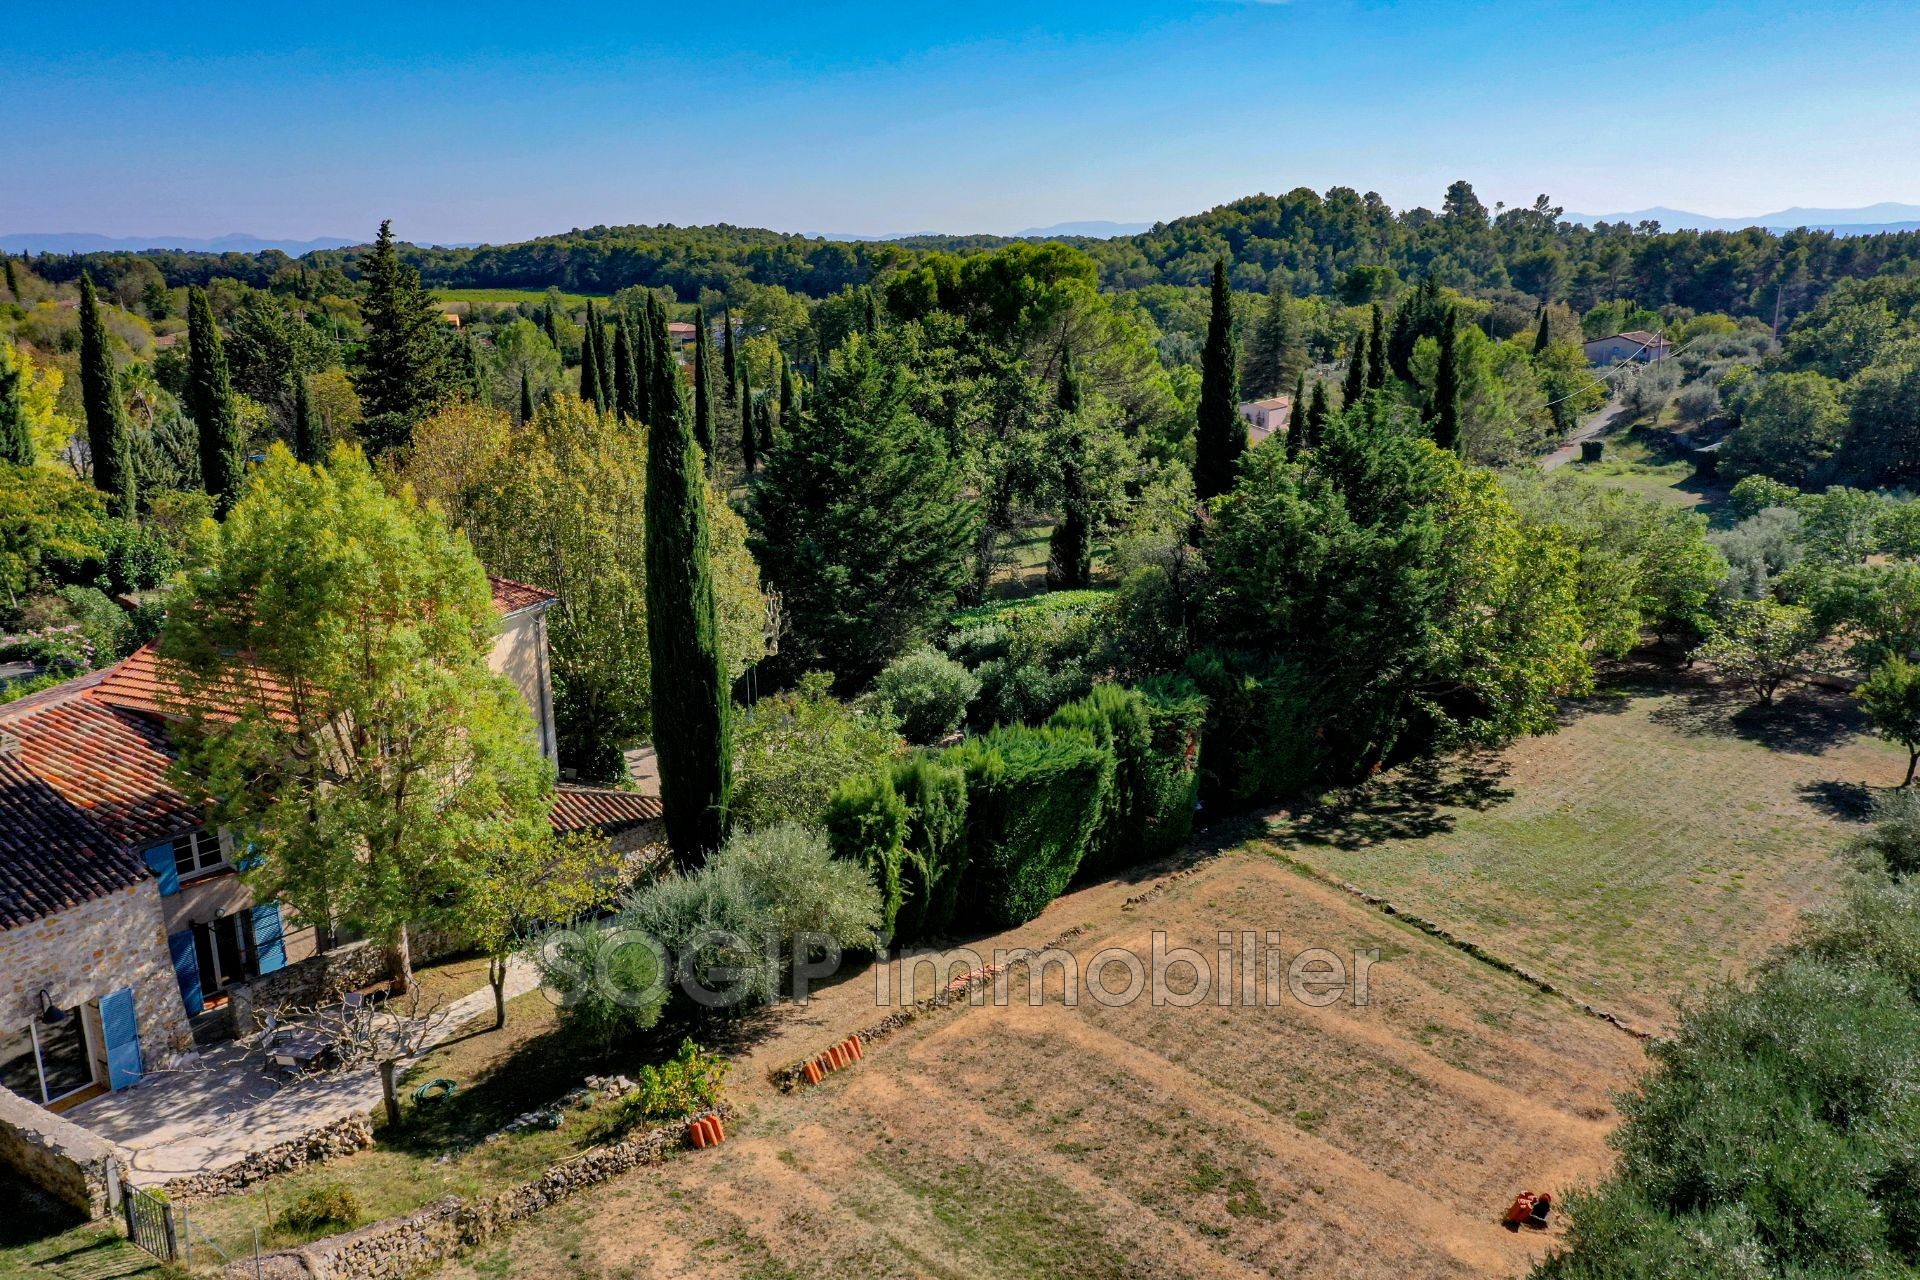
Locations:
{"points": [[39, 1240], [507, 297], [1631, 463], [1665, 836]]}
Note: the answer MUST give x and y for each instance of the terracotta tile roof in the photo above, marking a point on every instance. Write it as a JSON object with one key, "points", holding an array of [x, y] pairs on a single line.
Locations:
{"points": [[51, 856], [511, 597], [601, 809], [109, 764]]}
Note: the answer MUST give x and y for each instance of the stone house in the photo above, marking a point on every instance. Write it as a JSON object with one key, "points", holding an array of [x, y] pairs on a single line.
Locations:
{"points": [[122, 917], [1266, 416], [1635, 344]]}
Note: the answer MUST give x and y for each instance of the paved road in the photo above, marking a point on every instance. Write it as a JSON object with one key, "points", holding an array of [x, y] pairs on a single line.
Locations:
{"points": [[1597, 425]]}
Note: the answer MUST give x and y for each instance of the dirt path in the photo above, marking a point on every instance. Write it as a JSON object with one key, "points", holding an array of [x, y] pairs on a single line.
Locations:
{"points": [[1592, 429]]}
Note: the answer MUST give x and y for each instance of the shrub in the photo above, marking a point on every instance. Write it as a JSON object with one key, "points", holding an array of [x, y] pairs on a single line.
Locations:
{"points": [[1033, 800], [867, 824], [1261, 739], [1753, 494], [793, 749], [741, 911], [327, 1208], [927, 693], [1698, 402], [1034, 655], [1892, 843], [692, 1080], [610, 983], [108, 627]]}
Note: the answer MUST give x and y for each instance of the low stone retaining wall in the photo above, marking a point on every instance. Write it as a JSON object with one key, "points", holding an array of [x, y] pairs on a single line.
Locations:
{"points": [[341, 1138], [71, 1164], [398, 1247], [320, 979]]}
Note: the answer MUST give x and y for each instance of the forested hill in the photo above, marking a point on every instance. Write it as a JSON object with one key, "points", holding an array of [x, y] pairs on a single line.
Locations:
{"points": [[1342, 242]]}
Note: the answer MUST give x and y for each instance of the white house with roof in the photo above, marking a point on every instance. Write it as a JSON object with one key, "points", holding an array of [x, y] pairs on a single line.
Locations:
{"points": [[1635, 344]]}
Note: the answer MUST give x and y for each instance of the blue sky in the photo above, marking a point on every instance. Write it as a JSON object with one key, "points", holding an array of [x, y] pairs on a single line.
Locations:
{"points": [[490, 121]]}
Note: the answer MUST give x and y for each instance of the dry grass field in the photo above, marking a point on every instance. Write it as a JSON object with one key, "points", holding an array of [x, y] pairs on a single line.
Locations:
{"points": [[1662, 837]]}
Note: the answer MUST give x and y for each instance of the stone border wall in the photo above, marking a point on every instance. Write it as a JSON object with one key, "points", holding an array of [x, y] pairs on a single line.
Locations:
{"points": [[71, 1164], [398, 1247], [341, 1138], [319, 979]]}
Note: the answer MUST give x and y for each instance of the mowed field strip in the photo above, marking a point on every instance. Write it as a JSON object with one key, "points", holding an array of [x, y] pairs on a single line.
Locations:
{"points": [[1659, 831]]}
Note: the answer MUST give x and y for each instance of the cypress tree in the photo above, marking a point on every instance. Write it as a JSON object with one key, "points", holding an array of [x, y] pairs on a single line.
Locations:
{"points": [[210, 401], [526, 398], [470, 374], [310, 443], [622, 369], [703, 417], [551, 323], [1377, 351], [1356, 373], [16, 436], [13, 281], [871, 317], [690, 698], [1317, 414], [763, 419], [1297, 416], [1070, 545], [1221, 435], [729, 362], [603, 365], [642, 340], [108, 439], [1446, 386], [1543, 337], [590, 362], [749, 446], [788, 402]]}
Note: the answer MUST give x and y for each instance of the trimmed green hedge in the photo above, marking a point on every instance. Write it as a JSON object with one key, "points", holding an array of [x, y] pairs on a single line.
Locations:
{"points": [[1033, 799], [1154, 737], [907, 826]]}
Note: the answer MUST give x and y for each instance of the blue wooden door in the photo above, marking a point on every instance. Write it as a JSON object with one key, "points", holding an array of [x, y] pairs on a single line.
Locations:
{"points": [[186, 969], [122, 1031]]}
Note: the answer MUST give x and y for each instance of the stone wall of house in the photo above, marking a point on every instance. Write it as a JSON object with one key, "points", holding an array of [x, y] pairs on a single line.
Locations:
{"points": [[71, 1164], [399, 1247], [330, 1142], [93, 950]]}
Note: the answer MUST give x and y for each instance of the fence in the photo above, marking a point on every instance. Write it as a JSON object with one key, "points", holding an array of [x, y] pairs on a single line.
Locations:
{"points": [[150, 1224]]}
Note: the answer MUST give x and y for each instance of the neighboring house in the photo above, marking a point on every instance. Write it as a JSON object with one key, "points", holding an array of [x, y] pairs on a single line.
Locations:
{"points": [[683, 332], [1265, 417], [121, 916], [1635, 344]]}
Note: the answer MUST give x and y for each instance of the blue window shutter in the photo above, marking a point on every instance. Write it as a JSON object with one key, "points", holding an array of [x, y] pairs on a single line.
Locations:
{"points": [[122, 1031], [269, 940], [250, 856], [160, 858], [186, 967]]}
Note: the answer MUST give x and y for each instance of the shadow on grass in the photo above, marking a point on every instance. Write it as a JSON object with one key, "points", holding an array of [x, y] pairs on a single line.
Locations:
{"points": [[1806, 721], [1411, 803], [1847, 801]]}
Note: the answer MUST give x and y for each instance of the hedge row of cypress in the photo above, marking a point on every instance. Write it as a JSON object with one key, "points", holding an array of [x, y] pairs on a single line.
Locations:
{"points": [[985, 834]]}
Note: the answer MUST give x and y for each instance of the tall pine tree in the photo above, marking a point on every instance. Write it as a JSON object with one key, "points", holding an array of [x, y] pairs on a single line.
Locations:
{"points": [[1446, 385], [691, 710], [16, 434], [1070, 545], [210, 401], [704, 420], [310, 443], [1356, 373], [1377, 351], [1221, 434], [108, 440], [405, 364], [1275, 348]]}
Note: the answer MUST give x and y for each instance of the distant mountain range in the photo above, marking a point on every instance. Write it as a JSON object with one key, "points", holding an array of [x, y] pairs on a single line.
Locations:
{"points": [[1095, 230], [86, 242], [1871, 220]]}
